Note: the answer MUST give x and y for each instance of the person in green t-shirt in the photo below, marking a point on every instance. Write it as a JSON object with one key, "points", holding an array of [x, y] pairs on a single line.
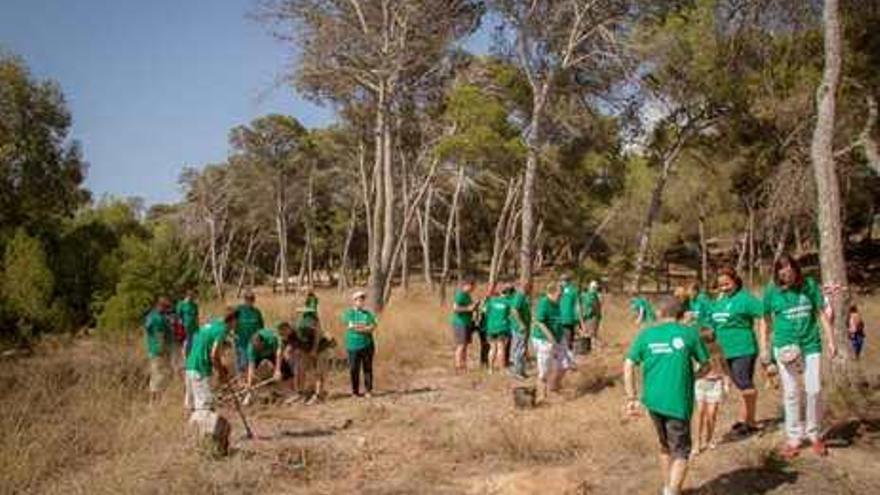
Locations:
{"points": [[698, 305], [793, 309], [265, 345], [311, 300], [499, 320], [547, 339], [568, 316], [188, 311], [205, 358], [732, 316], [360, 325], [250, 320], [518, 298], [157, 339], [667, 352], [462, 318], [644, 311], [590, 308]]}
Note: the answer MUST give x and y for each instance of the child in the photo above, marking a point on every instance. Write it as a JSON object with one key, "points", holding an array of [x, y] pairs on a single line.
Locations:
{"points": [[856, 327], [709, 392]]}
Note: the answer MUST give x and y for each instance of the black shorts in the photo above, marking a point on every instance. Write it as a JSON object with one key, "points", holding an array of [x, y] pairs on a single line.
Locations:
{"points": [[742, 371], [461, 334], [674, 435]]}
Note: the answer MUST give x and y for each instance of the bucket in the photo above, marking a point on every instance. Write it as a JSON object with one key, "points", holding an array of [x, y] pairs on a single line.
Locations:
{"points": [[524, 397], [582, 345]]}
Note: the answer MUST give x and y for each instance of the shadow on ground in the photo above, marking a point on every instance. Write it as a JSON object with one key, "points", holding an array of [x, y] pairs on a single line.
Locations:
{"points": [[746, 481]]}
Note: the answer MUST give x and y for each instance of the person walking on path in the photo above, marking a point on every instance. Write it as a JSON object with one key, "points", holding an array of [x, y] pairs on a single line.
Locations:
{"points": [[791, 335], [157, 340], [547, 341], [709, 392], [360, 324], [498, 326], [732, 316], [188, 311], [204, 360], [463, 307], [568, 316], [590, 307], [250, 321], [644, 311], [856, 330], [667, 353], [522, 319]]}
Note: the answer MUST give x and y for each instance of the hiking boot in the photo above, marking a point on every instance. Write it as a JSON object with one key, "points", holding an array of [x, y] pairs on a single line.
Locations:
{"points": [[818, 447]]}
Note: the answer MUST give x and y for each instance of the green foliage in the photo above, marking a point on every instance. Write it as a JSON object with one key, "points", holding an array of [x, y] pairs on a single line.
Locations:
{"points": [[27, 286], [151, 267], [41, 172]]}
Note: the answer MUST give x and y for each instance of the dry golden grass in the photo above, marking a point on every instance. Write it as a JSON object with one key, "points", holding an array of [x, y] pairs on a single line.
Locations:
{"points": [[75, 419]]}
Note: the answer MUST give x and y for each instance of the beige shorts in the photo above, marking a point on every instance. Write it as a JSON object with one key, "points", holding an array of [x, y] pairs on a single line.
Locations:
{"points": [[549, 357], [198, 392], [158, 373], [710, 391]]}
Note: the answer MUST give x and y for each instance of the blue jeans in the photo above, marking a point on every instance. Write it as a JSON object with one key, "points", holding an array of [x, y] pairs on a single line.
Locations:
{"points": [[241, 360], [518, 344]]}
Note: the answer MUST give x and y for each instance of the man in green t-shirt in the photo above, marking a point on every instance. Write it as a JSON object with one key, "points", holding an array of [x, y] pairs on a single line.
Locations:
{"points": [[265, 345], [568, 316], [590, 311], [158, 341], [188, 311], [547, 341], [250, 320], [667, 352], [462, 318], [360, 323], [793, 309], [205, 358], [518, 299], [643, 310]]}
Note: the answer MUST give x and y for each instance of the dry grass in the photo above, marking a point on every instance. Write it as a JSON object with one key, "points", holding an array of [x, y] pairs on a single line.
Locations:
{"points": [[75, 420]]}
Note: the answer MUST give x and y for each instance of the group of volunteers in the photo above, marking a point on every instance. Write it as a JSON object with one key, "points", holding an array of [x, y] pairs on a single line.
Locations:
{"points": [[297, 353], [700, 344], [505, 325]]}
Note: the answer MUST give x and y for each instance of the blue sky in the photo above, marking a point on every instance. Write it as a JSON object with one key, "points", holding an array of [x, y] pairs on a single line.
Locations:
{"points": [[155, 85]]}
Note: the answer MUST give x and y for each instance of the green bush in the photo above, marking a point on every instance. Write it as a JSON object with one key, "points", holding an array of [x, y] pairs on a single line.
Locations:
{"points": [[160, 265], [27, 286]]}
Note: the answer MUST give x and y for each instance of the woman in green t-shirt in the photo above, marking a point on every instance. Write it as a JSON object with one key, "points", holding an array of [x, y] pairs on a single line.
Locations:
{"points": [[732, 316], [463, 307], [793, 310]]}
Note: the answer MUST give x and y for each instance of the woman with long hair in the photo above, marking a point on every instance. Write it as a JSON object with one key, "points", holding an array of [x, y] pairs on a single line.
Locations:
{"points": [[793, 308]]}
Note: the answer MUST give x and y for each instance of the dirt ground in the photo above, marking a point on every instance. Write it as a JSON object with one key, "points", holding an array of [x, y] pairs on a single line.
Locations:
{"points": [[78, 422], [430, 431]]}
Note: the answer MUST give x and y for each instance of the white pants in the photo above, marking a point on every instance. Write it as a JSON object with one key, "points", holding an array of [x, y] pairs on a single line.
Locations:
{"points": [[791, 396], [198, 392]]}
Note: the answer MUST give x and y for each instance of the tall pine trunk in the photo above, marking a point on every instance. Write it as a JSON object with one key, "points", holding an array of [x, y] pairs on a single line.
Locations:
{"points": [[450, 224], [831, 254]]}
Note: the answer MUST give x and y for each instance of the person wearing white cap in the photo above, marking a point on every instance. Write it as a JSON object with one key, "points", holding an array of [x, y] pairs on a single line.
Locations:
{"points": [[359, 326]]}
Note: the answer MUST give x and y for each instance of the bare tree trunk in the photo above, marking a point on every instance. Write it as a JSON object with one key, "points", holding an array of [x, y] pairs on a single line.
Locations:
{"points": [[743, 251], [247, 260], [780, 243], [444, 278], [425, 239], [534, 142], [596, 233], [376, 281], [310, 203], [404, 260], [653, 210], [346, 250], [281, 231], [704, 248], [751, 246], [498, 242], [831, 253], [215, 262], [458, 257]]}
